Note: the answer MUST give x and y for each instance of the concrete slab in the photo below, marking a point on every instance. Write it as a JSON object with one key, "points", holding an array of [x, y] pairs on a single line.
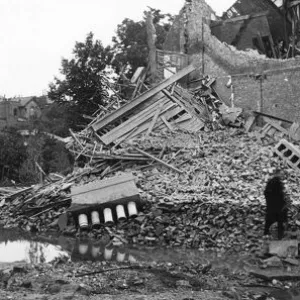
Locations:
{"points": [[284, 248]]}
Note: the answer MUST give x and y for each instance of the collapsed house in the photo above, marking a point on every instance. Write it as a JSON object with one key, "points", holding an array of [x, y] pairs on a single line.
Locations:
{"points": [[244, 79]]}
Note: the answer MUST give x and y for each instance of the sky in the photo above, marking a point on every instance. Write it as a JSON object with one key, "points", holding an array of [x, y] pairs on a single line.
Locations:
{"points": [[36, 34]]}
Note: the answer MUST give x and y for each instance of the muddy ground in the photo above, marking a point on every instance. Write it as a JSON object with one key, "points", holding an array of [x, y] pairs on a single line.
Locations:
{"points": [[150, 273]]}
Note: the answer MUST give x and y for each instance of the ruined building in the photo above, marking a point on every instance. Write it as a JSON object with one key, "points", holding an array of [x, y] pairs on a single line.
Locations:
{"points": [[258, 83]]}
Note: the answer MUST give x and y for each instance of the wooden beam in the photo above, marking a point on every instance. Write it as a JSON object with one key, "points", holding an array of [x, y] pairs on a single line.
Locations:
{"points": [[273, 117], [249, 123], [132, 122], [158, 160], [167, 114], [75, 138], [278, 127], [167, 123], [154, 118], [109, 138], [183, 118], [122, 111]]}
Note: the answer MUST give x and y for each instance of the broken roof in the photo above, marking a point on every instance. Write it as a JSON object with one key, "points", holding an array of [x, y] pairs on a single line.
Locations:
{"points": [[229, 30], [25, 100], [244, 7]]}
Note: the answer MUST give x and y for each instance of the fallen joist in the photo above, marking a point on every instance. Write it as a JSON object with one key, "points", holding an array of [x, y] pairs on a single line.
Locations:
{"points": [[125, 109], [143, 127], [134, 122], [157, 113], [113, 156], [272, 117], [158, 160]]}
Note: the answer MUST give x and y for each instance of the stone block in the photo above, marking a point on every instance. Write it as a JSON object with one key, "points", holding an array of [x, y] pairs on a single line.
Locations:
{"points": [[284, 248], [289, 153]]}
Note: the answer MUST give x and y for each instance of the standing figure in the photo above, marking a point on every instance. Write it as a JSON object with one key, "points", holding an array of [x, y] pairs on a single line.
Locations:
{"points": [[277, 208]]}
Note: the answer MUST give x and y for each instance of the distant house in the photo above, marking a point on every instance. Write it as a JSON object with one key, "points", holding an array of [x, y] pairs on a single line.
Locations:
{"points": [[28, 108], [17, 110]]}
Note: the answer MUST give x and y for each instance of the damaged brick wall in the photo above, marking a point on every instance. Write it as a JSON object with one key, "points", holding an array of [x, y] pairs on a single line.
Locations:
{"points": [[217, 59], [274, 92], [180, 36]]}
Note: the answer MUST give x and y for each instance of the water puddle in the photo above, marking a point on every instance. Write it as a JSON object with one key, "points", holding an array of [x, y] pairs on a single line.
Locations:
{"points": [[17, 246], [29, 252]]}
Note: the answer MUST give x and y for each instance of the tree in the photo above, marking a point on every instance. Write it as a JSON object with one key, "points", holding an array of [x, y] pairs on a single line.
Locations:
{"points": [[130, 46], [54, 119], [12, 154], [55, 157], [83, 87], [50, 154]]}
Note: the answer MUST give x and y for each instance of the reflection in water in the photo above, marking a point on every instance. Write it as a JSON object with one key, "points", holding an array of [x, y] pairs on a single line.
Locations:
{"points": [[29, 252], [88, 250]]}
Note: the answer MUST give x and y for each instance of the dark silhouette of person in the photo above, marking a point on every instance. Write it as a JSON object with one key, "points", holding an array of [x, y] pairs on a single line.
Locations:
{"points": [[276, 201]]}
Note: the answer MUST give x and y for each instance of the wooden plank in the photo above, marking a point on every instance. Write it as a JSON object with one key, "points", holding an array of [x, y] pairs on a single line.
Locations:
{"points": [[75, 138], [272, 117], [167, 123], [272, 46], [278, 127], [191, 105], [249, 123], [174, 99], [138, 72], [192, 125], [261, 43], [125, 128], [183, 118], [154, 119], [168, 114], [158, 160], [143, 127], [265, 129], [125, 109], [140, 115], [186, 104]]}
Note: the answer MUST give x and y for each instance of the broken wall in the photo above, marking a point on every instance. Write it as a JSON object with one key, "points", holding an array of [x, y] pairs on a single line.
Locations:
{"points": [[240, 31], [275, 92], [212, 57]]}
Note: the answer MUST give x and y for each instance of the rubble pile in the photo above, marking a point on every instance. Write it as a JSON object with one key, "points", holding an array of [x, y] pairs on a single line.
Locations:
{"points": [[201, 186], [216, 201]]}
